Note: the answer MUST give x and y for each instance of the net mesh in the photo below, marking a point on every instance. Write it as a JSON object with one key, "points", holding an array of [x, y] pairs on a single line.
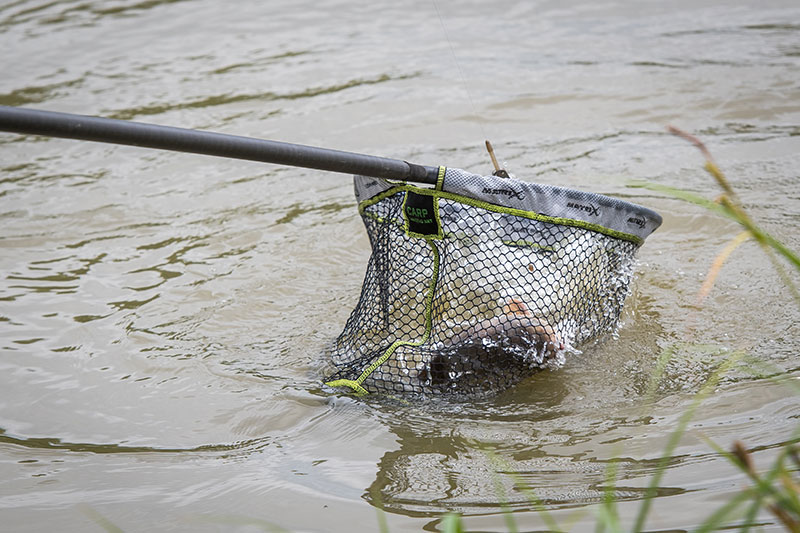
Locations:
{"points": [[481, 297]]}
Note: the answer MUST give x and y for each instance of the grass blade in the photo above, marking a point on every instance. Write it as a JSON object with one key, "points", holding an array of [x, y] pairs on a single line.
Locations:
{"points": [[676, 435], [451, 523]]}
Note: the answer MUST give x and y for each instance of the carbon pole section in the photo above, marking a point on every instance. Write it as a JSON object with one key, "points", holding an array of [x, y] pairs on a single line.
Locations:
{"points": [[87, 128]]}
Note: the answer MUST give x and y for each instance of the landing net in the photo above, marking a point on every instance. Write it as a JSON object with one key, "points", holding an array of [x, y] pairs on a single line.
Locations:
{"points": [[481, 281]]}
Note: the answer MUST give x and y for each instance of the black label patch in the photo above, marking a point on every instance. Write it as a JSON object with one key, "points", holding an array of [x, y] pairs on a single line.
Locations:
{"points": [[422, 217]]}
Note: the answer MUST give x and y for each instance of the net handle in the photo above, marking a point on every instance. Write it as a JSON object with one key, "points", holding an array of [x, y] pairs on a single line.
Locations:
{"points": [[114, 131]]}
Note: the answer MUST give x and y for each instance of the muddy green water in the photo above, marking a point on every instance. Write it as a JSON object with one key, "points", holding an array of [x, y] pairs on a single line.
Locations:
{"points": [[162, 315]]}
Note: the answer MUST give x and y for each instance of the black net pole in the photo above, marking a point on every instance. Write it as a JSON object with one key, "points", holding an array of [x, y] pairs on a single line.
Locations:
{"points": [[87, 128]]}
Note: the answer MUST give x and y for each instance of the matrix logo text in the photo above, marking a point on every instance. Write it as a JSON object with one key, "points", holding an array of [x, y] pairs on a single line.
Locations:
{"points": [[511, 193], [591, 209], [638, 221]]}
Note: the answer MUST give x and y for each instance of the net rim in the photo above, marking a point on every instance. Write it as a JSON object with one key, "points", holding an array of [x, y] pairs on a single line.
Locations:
{"points": [[549, 203]]}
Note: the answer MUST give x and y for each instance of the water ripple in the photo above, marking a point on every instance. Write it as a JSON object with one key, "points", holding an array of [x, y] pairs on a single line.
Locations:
{"points": [[227, 99]]}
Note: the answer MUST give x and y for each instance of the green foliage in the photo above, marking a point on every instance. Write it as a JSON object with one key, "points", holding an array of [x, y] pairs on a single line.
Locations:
{"points": [[451, 523]]}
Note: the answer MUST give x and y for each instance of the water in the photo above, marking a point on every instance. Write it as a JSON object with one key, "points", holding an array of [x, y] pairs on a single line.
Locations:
{"points": [[162, 315]]}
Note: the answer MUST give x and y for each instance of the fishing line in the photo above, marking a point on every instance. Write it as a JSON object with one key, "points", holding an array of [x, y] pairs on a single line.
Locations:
{"points": [[460, 70]]}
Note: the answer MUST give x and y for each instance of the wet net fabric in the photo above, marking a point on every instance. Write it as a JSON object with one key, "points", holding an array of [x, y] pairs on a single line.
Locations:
{"points": [[468, 291]]}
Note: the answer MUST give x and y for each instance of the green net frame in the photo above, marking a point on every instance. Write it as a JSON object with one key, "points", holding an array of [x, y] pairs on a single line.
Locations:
{"points": [[481, 281]]}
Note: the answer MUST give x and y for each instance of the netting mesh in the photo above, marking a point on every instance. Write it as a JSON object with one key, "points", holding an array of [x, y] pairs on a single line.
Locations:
{"points": [[483, 297]]}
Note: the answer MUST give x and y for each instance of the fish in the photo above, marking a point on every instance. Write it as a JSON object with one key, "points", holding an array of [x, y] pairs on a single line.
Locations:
{"points": [[519, 326], [494, 353]]}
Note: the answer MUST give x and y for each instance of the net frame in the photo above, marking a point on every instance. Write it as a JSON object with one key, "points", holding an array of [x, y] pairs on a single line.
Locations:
{"points": [[418, 238]]}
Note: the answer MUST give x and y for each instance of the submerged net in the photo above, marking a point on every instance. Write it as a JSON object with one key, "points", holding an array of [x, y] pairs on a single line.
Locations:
{"points": [[480, 282]]}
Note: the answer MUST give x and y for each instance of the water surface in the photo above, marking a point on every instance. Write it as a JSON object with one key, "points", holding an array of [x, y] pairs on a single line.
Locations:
{"points": [[162, 315]]}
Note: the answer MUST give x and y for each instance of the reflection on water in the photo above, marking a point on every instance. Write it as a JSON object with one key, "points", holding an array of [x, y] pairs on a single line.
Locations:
{"points": [[537, 436], [162, 316]]}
